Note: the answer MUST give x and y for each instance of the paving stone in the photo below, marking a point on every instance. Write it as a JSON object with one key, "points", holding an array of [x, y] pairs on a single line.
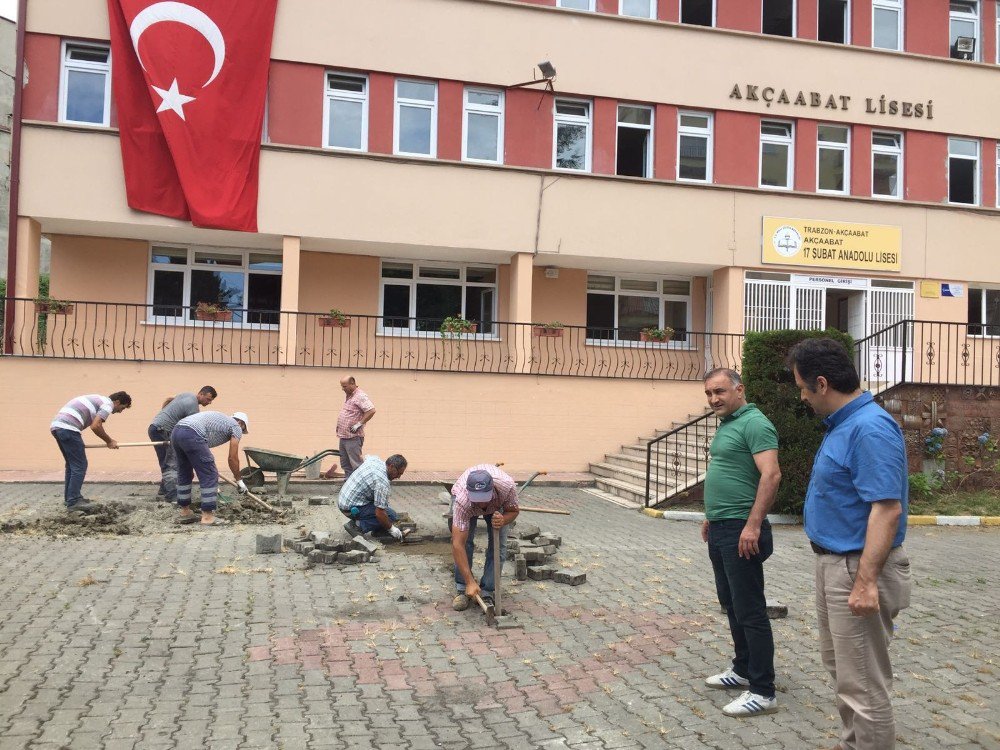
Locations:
{"points": [[368, 546], [540, 572], [329, 557], [354, 557], [569, 577], [776, 610], [319, 500], [268, 544], [533, 554], [316, 556], [319, 536], [521, 568], [547, 537], [526, 530]]}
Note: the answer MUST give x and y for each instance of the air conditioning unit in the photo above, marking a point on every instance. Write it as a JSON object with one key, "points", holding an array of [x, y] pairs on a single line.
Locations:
{"points": [[964, 48]]}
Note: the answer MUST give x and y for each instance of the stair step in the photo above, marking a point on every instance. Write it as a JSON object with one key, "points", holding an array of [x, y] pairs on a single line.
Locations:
{"points": [[661, 451], [638, 465], [611, 498], [623, 490]]}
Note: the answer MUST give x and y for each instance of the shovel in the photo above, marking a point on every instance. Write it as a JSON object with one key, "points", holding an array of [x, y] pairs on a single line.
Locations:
{"points": [[253, 497], [488, 610]]}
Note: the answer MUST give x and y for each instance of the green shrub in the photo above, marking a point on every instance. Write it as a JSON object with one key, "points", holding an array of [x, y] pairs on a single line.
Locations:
{"points": [[921, 487], [770, 385]]}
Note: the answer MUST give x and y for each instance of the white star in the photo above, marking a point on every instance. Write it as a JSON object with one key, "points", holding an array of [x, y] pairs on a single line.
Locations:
{"points": [[172, 99]]}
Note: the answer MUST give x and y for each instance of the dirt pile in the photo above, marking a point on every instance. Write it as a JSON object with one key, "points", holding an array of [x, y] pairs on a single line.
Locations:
{"points": [[108, 518]]}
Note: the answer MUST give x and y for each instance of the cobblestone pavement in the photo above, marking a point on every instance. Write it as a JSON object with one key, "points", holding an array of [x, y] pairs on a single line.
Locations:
{"points": [[188, 640]]}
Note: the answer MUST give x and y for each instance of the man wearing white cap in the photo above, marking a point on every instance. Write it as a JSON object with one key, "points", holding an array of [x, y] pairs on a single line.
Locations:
{"points": [[482, 490], [192, 440]]}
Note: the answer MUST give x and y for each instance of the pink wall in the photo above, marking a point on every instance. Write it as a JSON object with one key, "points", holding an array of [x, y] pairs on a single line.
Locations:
{"points": [[861, 160], [380, 112], [737, 148], [41, 95], [449, 125], [926, 164], [805, 155], [665, 142], [668, 10], [861, 23], [347, 282], [742, 15], [295, 103], [75, 258], [989, 171], [989, 27], [807, 22], [528, 128], [607, 6], [926, 28], [563, 299], [605, 135]]}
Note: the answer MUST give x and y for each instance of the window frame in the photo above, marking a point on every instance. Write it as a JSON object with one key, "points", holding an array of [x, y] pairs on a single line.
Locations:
{"points": [[687, 130], [835, 146], [65, 65], [498, 111], [847, 22], [983, 325], [899, 7], [330, 95], [977, 174], [795, 21], [558, 119], [898, 153], [650, 129], [789, 167], [652, 10], [191, 265], [686, 343], [977, 19], [715, 17], [591, 9], [383, 330], [399, 102]]}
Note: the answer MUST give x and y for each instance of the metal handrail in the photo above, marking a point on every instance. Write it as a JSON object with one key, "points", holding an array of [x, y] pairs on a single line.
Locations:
{"points": [[687, 467]]}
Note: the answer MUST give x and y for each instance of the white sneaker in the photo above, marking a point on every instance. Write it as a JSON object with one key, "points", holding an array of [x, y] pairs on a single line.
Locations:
{"points": [[727, 680], [751, 704]]}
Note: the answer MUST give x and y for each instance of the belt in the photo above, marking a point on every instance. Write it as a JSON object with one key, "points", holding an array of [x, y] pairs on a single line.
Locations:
{"points": [[824, 551]]}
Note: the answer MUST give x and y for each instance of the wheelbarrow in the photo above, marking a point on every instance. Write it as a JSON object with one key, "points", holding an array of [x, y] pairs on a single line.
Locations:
{"points": [[282, 464]]}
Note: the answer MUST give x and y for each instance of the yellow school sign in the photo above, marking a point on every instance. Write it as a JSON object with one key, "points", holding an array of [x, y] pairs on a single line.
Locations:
{"points": [[831, 244]]}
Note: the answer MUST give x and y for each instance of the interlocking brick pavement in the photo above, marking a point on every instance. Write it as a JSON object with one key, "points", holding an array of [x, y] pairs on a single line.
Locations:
{"points": [[188, 639]]}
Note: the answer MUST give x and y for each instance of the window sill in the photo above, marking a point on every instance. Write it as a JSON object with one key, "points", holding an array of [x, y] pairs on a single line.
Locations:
{"points": [[174, 323], [402, 333], [682, 346]]}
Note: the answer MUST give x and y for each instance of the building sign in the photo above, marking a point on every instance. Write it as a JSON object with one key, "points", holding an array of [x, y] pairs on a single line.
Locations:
{"points": [[828, 282], [873, 105], [831, 244]]}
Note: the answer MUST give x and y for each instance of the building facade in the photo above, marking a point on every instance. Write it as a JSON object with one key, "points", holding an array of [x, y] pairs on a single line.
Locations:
{"points": [[709, 167]]}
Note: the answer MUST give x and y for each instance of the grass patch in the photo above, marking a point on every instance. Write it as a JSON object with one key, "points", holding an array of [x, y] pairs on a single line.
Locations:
{"points": [[981, 503]]}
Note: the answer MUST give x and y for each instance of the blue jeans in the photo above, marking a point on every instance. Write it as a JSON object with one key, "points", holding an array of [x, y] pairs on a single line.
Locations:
{"points": [[194, 457], [168, 463], [366, 519], [71, 446], [486, 583], [739, 583]]}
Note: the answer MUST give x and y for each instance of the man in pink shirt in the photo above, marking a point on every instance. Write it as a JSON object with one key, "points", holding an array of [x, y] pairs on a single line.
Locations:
{"points": [[482, 490], [355, 412]]}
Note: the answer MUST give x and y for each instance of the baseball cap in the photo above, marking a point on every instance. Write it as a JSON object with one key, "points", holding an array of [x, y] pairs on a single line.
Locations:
{"points": [[242, 416], [480, 486]]}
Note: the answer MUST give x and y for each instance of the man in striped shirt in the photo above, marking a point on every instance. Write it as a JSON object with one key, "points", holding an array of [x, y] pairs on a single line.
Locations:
{"points": [[82, 412], [482, 490], [192, 440]]}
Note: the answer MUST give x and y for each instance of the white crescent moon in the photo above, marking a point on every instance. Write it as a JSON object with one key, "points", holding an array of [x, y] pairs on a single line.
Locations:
{"points": [[187, 15]]}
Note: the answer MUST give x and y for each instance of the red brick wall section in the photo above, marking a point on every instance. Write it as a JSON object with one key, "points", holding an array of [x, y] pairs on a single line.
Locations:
{"points": [[295, 103], [607, 6], [669, 10], [41, 96], [807, 19], [737, 148], [605, 136], [989, 25], [528, 128], [861, 23], [380, 112], [450, 117], [805, 155], [926, 29], [665, 142], [742, 15], [861, 160], [925, 157], [989, 172]]}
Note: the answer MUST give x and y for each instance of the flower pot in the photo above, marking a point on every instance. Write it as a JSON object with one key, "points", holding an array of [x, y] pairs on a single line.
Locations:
{"points": [[555, 333], [222, 316], [473, 327], [328, 321], [47, 308], [643, 336]]}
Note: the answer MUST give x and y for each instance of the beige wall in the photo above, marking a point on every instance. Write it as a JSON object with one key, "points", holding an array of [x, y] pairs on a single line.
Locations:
{"points": [[100, 269], [562, 300], [438, 421]]}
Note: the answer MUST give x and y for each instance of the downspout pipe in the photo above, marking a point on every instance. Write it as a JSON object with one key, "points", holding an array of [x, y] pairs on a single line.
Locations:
{"points": [[15, 178]]}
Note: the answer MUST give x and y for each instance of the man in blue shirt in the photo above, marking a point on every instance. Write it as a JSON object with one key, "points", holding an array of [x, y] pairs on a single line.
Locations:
{"points": [[855, 518]]}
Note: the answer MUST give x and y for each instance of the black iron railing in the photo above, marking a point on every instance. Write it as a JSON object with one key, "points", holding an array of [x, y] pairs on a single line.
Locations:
{"points": [[159, 333], [678, 459]]}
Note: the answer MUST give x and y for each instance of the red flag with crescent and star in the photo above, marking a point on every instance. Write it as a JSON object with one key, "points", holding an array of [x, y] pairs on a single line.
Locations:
{"points": [[190, 80]]}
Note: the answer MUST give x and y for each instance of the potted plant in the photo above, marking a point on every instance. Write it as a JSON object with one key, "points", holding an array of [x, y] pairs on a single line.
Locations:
{"points": [[213, 311], [334, 319], [658, 335], [552, 330], [456, 325], [53, 306], [934, 454]]}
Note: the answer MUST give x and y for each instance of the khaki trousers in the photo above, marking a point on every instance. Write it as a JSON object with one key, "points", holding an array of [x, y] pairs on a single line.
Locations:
{"points": [[855, 650]]}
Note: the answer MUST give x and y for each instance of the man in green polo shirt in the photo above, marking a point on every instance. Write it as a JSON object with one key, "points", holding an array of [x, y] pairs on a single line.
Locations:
{"points": [[740, 487]]}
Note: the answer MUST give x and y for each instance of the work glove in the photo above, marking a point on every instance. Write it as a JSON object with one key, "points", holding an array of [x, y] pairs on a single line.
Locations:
{"points": [[356, 427], [397, 533], [242, 487]]}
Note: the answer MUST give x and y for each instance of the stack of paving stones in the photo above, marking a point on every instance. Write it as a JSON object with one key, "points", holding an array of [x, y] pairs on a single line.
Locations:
{"points": [[533, 552], [322, 548]]}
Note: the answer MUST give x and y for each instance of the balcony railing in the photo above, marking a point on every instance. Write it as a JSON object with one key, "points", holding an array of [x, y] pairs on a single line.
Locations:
{"points": [[155, 333]]}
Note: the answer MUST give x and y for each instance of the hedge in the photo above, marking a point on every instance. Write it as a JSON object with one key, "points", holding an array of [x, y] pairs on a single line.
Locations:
{"points": [[771, 386]]}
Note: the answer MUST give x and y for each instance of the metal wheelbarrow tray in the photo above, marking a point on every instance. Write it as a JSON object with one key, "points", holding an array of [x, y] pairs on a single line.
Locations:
{"points": [[283, 464]]}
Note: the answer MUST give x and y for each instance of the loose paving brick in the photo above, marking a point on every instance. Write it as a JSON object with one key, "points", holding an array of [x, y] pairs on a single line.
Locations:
{"points": [[569, 577]]}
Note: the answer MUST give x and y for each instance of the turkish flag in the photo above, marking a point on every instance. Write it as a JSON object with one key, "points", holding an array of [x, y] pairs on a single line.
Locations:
{"points": [[189, 81]]}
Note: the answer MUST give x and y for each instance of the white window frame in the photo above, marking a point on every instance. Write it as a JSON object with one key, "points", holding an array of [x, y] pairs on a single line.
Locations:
{"points": [[416, 279], [890, 151], [790, 167], [65, 65], [563, 119], [982, 314], [708, 134], [715, 6], [648, 128], [977, 176], [835, 146], [795, 19], [191, 265], [652, 9], [897, 7], [590, 8], [847, 22], [618, 291], [482, 109], [977, 18], [331, 95], [400, 102]]}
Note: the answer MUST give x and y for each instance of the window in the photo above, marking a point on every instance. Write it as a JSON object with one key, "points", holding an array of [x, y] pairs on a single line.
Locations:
{"points": [[698, 12], [416, 119], [887, 165], [984, 312], [694, 146], [618, 308], [572, 137], [833, 24], [248, 282], [963, 171], [887, 24], [963, 29], [483, 126], [635, 141], [346, 115], [778, 17], [776, 154], [637, 8], [85, 84], [833, 159], [576, 4], [417, 297]]}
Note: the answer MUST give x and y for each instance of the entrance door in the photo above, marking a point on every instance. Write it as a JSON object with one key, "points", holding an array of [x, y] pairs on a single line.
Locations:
{"points": [[888, 308]]}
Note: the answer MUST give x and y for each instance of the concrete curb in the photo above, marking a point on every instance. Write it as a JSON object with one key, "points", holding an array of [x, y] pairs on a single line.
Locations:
{"points": [[778, 519]]}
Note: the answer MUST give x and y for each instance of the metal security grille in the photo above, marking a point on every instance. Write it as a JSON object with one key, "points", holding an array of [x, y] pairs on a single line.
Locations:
{"points": [[810, 308], [768, 305], [888, 307]]}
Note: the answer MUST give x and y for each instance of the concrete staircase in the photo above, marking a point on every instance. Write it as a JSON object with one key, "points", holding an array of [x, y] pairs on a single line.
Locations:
{"points": [[678, 464]]}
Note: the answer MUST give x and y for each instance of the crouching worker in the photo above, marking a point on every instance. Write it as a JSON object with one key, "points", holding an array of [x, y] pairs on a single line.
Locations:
{"points": [[192, 440], [364, 498], [483, 490]]}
